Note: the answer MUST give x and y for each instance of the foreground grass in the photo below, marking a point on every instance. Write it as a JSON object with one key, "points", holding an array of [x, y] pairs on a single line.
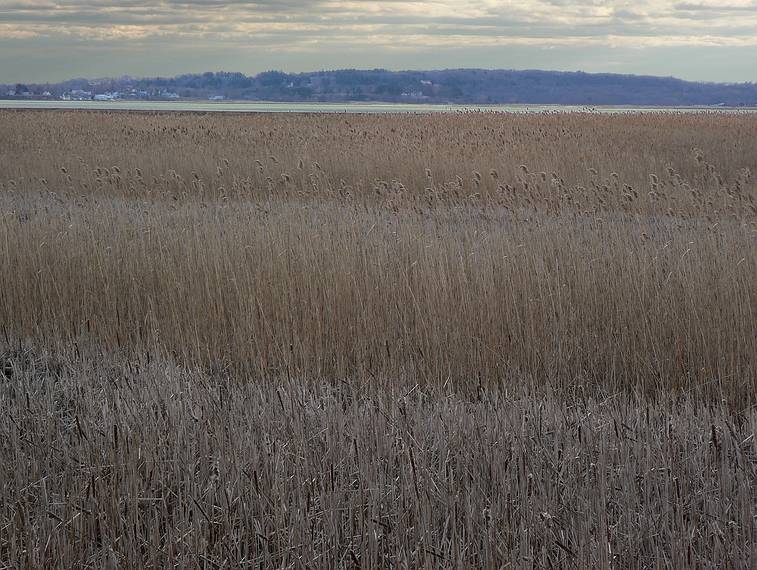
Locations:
{"points": [[138, 465], [302, 341]]}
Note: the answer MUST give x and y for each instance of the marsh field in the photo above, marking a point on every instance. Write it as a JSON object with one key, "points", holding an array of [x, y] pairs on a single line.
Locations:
{"points": [[466, 340]]}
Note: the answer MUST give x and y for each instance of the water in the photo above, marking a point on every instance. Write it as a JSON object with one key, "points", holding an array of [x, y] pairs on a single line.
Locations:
{"points": [[264, 107]]}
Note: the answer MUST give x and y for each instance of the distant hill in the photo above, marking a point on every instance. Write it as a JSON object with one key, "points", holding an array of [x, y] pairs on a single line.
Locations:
{"points": [[462, 86]]}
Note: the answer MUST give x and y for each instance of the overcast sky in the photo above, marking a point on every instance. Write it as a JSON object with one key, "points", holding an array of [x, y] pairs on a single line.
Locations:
{"points": [[711, 40]]}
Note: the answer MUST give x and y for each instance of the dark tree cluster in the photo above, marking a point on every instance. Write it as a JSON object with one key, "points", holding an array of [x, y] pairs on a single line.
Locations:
{"points": [[462, 86]]}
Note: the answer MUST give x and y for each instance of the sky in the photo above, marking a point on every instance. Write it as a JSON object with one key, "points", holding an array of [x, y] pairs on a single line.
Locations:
{"points": [[704, 40]]}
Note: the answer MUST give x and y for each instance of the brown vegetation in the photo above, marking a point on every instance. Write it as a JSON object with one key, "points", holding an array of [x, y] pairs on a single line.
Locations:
{"points": [[324, 340]]}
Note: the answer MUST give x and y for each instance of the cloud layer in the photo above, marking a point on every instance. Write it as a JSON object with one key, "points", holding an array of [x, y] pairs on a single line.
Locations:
{"points": [[285, 32]]}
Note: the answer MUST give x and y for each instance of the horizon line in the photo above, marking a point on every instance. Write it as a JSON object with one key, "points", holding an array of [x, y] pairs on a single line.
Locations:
{"points": [[378, 69]]}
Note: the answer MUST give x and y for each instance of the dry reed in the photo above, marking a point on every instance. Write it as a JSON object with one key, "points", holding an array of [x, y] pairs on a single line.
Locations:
{"points": [[320, 341]]}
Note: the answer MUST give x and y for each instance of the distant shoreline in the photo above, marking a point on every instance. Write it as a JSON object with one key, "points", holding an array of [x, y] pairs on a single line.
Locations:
{"points": [[470, 87], [246, 106]]}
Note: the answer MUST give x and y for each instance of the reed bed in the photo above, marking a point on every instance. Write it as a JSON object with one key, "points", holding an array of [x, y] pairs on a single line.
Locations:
{"points": [[130, 465], [471, 340]]}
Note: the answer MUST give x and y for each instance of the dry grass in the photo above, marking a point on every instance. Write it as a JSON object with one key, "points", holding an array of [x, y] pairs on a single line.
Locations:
{"points": [[152, 466], [319, 341]]}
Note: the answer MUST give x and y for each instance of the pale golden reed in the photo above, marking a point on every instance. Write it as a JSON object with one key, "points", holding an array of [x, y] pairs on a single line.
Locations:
{"points": [[331, 341]]}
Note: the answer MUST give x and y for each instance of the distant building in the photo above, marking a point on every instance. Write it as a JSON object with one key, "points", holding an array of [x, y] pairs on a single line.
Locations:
{"points": [[77, 95], [135, 94], [216, 98]]}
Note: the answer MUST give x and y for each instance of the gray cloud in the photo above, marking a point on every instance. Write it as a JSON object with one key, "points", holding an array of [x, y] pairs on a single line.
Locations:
{"points": [[262, 34], [719, 7]]}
